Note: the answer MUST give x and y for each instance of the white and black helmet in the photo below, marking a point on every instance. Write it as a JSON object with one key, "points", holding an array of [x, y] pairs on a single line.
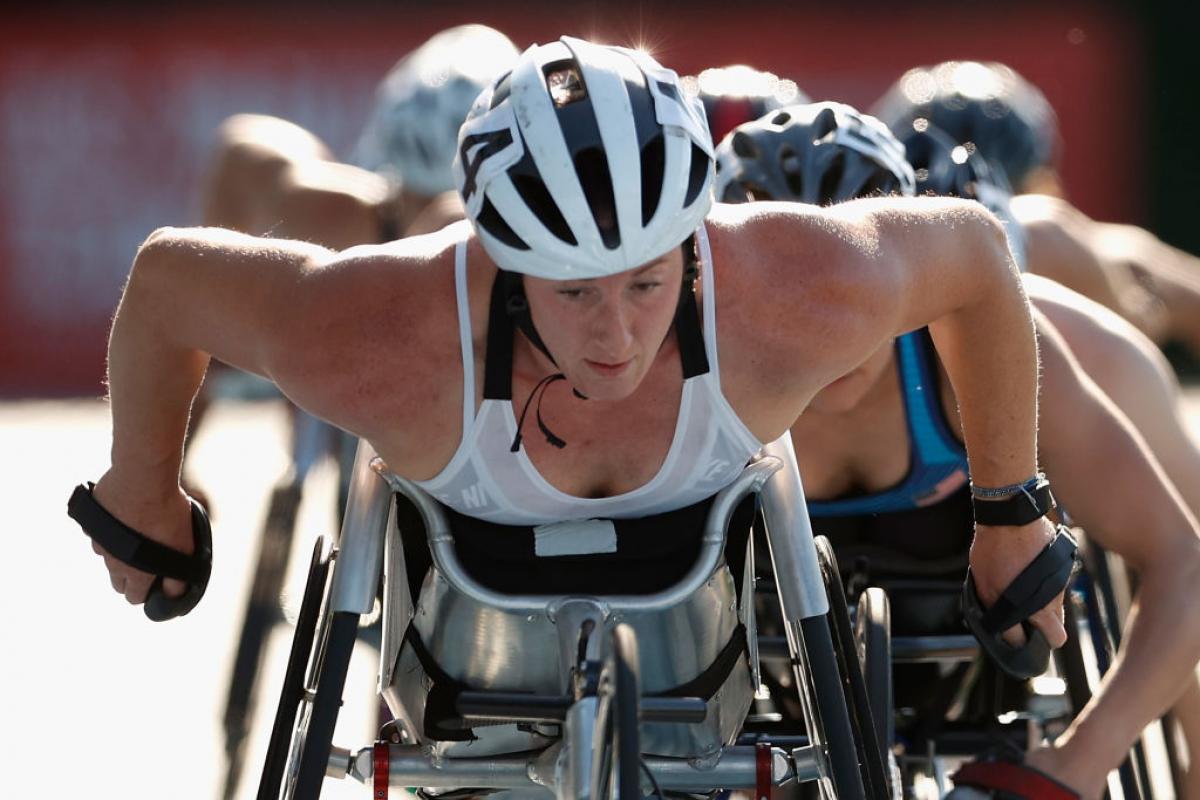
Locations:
{"points": [[817, 153], [586, 160], [422, 101]]}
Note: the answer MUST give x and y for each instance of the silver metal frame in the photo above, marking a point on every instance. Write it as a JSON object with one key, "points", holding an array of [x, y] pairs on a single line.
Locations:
{"points": [[362, 556]]}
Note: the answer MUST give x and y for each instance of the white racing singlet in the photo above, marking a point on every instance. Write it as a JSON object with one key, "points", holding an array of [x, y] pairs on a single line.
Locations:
{"points": [[486, 480]]}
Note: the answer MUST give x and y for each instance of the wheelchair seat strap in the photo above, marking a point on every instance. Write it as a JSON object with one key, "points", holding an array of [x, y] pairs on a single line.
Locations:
{"points": [[442, 722], [1031, 590]]}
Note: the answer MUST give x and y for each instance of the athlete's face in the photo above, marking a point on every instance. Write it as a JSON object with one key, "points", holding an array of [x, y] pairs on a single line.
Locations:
{"points": [[605, 332], [848, 391]]}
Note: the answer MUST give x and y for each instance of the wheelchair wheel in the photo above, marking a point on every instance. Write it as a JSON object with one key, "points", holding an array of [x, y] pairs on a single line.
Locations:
{"points": [[617, 770], [302, 735], [1089, 640], [261, 616], [293, 680], [870, 760], [872, 634]]}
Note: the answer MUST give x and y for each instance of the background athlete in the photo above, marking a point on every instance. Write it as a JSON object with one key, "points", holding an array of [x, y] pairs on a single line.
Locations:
{"points": [[885, 469]]}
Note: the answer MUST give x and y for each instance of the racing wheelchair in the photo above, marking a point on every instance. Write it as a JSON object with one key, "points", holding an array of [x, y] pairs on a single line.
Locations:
{"points": [[939, 700], [585, 660]]}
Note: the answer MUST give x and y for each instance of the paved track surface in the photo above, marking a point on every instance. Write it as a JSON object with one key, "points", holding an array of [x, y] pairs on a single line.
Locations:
{"points": [[98, 702]]}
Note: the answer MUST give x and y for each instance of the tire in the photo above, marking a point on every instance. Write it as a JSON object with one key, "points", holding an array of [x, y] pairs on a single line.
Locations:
{"points": [[262, 614], [867, 753], [625, 711], [1088, 629], [616, 770], [302, 734], [292, 691], [872, 634]]}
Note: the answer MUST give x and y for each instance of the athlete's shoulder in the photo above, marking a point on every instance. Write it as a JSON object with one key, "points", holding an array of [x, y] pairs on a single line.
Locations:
{"points": [[1046, 210], [269, 136]]}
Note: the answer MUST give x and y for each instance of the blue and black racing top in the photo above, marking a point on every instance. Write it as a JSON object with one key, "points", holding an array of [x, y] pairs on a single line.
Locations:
{"points": [[937, 462]]}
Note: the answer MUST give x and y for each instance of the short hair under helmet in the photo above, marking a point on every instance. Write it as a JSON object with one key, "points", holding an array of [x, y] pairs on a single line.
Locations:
{"points": [[986, 104], [739, 93], [817, 153], [585, 161], [945, 168], [421, 102]]}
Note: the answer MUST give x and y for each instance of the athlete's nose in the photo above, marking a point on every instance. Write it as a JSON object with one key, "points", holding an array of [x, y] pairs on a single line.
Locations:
{"points": [[611, 330]]}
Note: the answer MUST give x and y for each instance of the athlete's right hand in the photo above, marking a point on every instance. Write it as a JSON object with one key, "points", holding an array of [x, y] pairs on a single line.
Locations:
{"points": [[163, 515]]}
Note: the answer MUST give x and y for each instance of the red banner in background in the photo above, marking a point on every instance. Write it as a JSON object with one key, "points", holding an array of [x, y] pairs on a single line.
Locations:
{"points": [[106, 122]]}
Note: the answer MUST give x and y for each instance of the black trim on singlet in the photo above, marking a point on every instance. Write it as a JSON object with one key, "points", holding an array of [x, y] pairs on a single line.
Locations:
{"points": [[653, 553], [509, 312]]}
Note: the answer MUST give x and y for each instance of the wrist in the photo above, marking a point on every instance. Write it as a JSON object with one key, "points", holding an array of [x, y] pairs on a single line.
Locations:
{"points": [[148, 474], [1015, 504]]}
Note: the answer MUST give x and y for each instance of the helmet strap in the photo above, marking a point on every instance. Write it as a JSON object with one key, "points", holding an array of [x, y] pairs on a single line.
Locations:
{"points": [[510, 310]]}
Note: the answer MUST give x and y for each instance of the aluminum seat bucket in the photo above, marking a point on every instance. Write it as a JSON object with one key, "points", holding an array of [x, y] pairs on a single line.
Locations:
{"points": [[491, 641]]}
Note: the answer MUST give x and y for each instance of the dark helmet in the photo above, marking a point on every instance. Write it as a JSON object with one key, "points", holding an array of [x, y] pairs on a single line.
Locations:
{"points": [[987, 106], [817, 153], [737, 93], [945, 168]]}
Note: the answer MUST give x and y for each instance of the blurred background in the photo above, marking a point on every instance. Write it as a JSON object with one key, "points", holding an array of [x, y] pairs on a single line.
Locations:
{"points": [[107, 122], [107, 114]]}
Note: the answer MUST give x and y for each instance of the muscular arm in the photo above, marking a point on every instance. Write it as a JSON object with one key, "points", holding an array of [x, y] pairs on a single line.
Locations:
{"points": [[324, 327], [1123, 267], [271, 177], [1111, 484], [886, 267]]}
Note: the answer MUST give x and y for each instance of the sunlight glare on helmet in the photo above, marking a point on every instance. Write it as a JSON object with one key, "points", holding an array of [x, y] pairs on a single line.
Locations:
{"points": [[959, 155], [566, 86], [975, 80], [918, 86]]}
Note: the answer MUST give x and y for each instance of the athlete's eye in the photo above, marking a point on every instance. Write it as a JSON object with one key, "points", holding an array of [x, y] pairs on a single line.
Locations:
{"points": [[571, 294], [646, 286]]}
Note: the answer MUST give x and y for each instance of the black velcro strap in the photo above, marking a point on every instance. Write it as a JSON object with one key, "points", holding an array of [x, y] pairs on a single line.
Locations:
{"points": [[688, 329], [127, 545], [497, 367], [1020, 509], [1035, 586], [442, 722], [135, 550]]}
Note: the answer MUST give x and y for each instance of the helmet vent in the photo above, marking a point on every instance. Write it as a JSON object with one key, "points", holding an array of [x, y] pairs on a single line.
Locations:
{"points": [[591, 165], [789, 166], [502, 91], [491, 221], [535, 194], [744, 146], [697, 172], [654, 156], [564, 82], [832, 178], [781, 119], [824, 124]]}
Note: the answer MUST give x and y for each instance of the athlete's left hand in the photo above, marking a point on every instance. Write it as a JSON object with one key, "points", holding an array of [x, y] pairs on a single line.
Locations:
{"points": [[998, 554]]}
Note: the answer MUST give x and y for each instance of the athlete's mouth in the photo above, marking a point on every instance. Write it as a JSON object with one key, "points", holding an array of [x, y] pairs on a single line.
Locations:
{"points": [[608, 369]]}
